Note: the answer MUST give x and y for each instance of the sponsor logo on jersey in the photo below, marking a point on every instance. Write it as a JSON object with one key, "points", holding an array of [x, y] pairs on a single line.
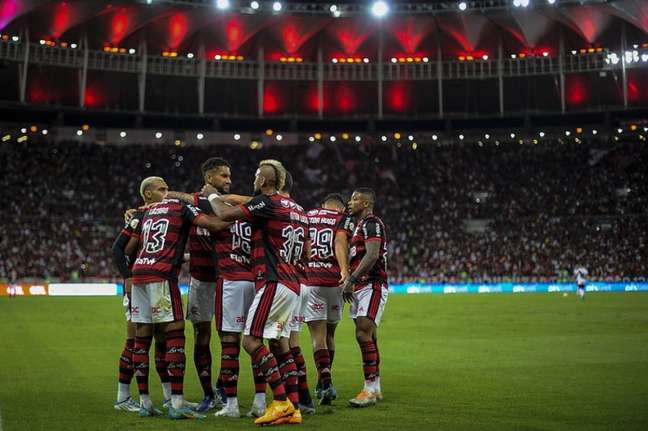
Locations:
{"points": [[158, 211], [145, 261], [258, 206]]}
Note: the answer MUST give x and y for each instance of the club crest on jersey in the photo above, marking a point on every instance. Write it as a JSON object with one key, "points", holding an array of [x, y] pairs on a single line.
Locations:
{"points": [[133, 223]]}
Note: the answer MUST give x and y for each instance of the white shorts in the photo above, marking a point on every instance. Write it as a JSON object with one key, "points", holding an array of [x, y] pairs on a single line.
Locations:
{"points": [[297, 318], [127, 306], [323, 303], [369, 302], [271, 311], [200, 300], [157, 302], [233, 301]]}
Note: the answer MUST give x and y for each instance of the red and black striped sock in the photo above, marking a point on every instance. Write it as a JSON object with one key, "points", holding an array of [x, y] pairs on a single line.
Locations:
{"points": [[229, 371], [126, 369], [288, 371], [369, 360], [203, 362], [323, 364], [302, 376], [264, 362], [141, 363], [331, 356], [176, 360], [259, 382], [377, 358], [160, 361]]}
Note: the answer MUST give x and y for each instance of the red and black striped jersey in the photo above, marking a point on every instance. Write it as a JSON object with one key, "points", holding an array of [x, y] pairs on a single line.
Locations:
{"points": [[234, 248], [323, 268], [279, 232], [165, 229], [370, 228], [123, 262], [202, 251]]}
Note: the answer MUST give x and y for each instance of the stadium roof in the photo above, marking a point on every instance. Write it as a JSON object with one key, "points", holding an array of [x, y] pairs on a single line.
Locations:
{"points": [[411, 28]]}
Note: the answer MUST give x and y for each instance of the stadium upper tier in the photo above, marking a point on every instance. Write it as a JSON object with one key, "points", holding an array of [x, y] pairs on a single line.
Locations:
{"points": [[421, 59], [495, 211]]}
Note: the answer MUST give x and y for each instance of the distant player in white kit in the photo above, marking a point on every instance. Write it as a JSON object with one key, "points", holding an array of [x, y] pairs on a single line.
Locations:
{"points": [[580, 273]]}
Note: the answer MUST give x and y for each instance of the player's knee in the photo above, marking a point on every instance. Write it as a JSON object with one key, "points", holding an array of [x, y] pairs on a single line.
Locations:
{"points": [[230, 337], [178, 325], [202, 333], [250, 344]]}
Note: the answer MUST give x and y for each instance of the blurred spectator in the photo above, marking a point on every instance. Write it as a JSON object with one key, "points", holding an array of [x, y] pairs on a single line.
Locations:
{"points": [[536, 211]]}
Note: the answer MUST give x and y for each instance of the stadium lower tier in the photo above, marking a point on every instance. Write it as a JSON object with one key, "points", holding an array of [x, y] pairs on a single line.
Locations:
{"points": [[454, 213]]}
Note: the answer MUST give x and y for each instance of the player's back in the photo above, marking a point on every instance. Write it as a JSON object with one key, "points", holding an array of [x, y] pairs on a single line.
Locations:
{"points": [[323, 226], [233, 247], [278, 239], [202, 253], [370, 228], [165, 228]]}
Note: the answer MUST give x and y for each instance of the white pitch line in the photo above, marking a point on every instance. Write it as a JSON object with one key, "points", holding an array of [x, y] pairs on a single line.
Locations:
{"points": [[0, 420]]}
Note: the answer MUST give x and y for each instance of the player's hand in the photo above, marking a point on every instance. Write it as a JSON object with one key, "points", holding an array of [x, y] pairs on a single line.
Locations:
{"points": [[347, 291], [344, 275], [128, 215]]}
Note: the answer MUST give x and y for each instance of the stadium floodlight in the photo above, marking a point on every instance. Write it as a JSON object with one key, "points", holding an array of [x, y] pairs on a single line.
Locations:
{"points": [[73, 46], [425, 59], [487, 136], [463, 6], [410, 137], [149, 1], [132, 51], [541, 134], [23, 130], [15, 38], [335, 10], [383, 138], [567, 133], [311, 139], [485, 57], [512, 135], [594, 132], [255, 5], [277, 6], [122, 134], [200, 136], [332, 139], [222, 4], [44, 131], [237, 136], [461, 137], [379, 9], [358, 139], [79, 132], [190, 55], [279, 137], [551, 1], [619, 131], [435, 137], [42, 42], [520, 3], [158, 135]]}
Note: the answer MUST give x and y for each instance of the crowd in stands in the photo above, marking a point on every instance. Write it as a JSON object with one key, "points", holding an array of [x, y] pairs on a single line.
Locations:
{"points": [[454, 213]]}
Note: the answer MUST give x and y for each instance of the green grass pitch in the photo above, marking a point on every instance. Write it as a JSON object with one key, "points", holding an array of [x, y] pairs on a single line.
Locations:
{"points": [[453, 362]]}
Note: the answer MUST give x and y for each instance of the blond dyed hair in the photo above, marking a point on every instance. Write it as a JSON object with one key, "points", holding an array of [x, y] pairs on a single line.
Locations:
{"points": [[146, 183], [279, 169]]}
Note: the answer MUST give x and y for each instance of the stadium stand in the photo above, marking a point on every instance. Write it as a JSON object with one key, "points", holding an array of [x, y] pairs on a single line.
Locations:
{"points": [[465, 212]]}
